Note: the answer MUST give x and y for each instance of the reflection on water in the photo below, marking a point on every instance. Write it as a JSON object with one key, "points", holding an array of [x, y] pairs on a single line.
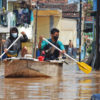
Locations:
{"points": [[73, 85], [30, 89]]}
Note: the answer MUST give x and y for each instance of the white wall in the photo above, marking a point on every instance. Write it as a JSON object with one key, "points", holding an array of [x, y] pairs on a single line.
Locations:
{"points": [[68, 31]]}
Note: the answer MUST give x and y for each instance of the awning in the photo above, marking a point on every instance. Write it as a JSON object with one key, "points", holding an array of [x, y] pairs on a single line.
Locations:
{"points": [[48, 12]]}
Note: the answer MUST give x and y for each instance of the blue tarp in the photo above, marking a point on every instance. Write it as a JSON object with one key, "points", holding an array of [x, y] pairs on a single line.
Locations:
{"points": [[95, 97]]}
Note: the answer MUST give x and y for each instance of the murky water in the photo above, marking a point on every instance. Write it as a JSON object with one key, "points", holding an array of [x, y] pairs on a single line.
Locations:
{"points": [[73, 85]]}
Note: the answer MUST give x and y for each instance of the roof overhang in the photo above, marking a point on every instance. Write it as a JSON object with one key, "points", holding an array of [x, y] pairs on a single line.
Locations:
{"points": [[48, 12]]}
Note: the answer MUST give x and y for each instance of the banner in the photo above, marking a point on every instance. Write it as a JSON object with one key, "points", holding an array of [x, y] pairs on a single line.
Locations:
{"points": [[94, 5]]}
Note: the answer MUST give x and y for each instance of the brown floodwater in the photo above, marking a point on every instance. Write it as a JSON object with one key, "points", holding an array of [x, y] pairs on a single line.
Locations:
{"points": [[72, 85]]}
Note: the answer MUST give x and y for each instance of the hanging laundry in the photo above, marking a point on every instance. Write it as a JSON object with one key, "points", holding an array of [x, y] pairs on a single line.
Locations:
{"points": [[11, 18]]}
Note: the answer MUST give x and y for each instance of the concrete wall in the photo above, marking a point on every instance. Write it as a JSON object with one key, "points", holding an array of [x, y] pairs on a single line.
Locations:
{"points": [[43, 26], [68, 31], [67, 27], [46, 20]]}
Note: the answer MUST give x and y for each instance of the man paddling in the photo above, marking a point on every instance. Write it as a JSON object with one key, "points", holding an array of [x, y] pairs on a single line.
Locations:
{"points": [[50, 52]]}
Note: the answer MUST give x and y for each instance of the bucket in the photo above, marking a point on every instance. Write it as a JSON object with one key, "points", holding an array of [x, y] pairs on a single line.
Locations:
{"points": [[41, 58]]}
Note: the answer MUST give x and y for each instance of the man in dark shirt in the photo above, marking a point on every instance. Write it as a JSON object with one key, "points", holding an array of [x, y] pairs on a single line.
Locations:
{"points": [[50, 52]]}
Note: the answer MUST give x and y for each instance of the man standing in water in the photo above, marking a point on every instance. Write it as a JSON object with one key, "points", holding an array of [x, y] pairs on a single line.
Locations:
{"points": [[50, 52], [70, 48]]}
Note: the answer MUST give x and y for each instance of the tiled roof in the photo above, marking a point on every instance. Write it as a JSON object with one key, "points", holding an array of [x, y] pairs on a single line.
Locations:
{"points": [[67, 10]]}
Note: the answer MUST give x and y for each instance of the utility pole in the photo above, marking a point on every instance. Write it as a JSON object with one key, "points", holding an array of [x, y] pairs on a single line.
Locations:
{"points": [[97, 66], [35, 37], [80, 22]]}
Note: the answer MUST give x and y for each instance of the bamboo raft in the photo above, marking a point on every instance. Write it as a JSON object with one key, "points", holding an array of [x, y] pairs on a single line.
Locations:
{"points": [[25, 67]]}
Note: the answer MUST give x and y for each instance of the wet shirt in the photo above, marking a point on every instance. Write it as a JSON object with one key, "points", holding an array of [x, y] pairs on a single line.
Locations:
{"points": [[50, 52], [59, 43]]}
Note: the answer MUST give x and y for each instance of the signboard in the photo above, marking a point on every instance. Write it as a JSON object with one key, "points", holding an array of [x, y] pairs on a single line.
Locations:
{"points": [[94, 5]]}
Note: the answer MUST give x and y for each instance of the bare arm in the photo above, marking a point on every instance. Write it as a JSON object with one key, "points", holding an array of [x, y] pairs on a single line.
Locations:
{"points": [[24, 38], [63, 51]]}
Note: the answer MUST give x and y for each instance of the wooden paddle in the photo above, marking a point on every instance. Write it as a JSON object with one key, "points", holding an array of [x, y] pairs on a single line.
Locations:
{"points": [[83, 66], [10, 46]]}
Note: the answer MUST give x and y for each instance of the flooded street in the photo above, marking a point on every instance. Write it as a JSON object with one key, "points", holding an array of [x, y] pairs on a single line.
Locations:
{"points": [[72, 85]]}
